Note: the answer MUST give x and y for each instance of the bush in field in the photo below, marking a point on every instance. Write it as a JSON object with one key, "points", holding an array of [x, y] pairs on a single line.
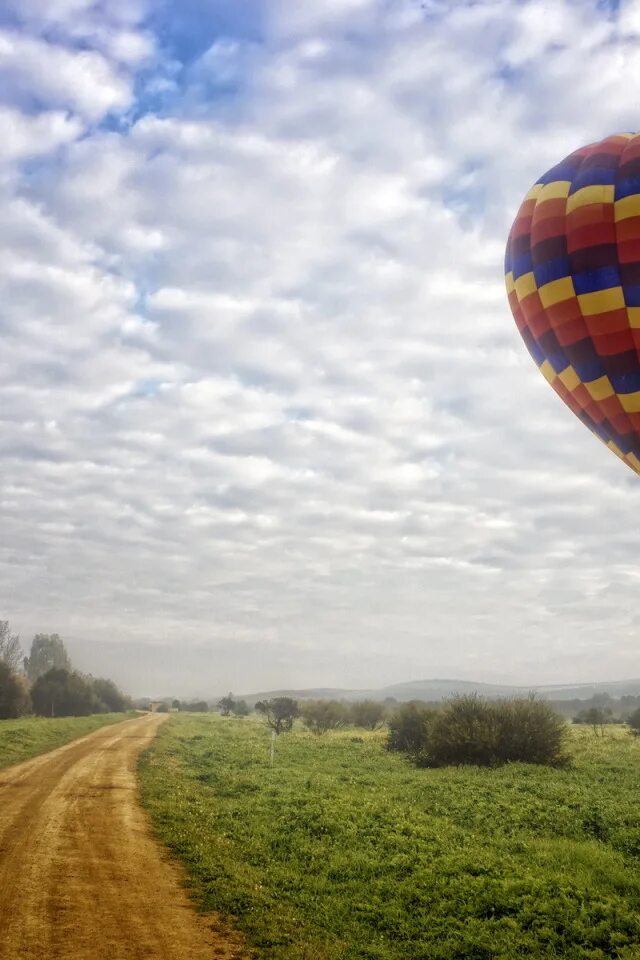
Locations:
{"points": [[531, 731], [410, 727], [60, 693], [472, 730], [194, 706], [322, 715], [466, 731], [634, 722], [14, 697], [279, 713], [368, 714], [240, 708]]}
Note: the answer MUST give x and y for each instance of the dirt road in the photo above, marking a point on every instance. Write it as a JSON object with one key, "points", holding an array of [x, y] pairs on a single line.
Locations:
{"points": [[80, 875]]}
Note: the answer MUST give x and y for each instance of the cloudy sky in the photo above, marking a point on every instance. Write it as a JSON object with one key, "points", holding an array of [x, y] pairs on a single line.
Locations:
{"points": [[265, 418]]}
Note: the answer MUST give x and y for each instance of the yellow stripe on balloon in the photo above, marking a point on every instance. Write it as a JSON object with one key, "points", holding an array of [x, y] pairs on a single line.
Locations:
{"points": [[600, 389], [627, 207], [570, 378], [534, 193], [556, 291], [598, 193], [616, 449], [634, 317], [556, 190], [601, 301], [547, 371], [525, 286], [630, 401]]}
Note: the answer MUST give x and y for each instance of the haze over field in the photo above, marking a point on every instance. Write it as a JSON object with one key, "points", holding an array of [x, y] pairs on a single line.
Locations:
{"points": [[265, 418]]}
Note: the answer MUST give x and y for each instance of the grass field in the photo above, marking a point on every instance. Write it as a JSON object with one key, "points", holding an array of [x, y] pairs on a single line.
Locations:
{"points": [[343, 850], [27, 737]]}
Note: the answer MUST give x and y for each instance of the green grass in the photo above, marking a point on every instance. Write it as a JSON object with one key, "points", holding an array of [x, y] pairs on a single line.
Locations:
{"points": [[27, 737], [343, 850]]}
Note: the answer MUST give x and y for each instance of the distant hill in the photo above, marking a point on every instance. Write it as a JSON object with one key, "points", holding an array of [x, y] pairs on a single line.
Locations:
{"points": [[433, 690]]}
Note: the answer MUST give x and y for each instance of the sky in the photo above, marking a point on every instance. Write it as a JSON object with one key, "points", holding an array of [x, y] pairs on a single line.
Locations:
{"points": [[265, 417]]}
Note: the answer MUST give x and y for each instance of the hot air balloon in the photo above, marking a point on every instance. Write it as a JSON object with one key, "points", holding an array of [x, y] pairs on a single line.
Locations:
{"points": [[573, 279]]}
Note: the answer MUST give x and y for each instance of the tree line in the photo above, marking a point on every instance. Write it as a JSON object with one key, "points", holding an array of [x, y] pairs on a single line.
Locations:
{"points": [[279, 713], [614, 709], [319, 716], [45, 682]]}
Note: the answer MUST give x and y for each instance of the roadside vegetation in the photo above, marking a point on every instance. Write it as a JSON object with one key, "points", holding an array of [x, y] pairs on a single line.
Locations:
{"points": [[45, 683], [27, 737], [344, 849]]}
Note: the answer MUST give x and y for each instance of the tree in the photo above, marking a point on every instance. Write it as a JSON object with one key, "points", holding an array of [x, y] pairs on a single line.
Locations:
{"points": [[368, 714], [47, 653], [226, 704], [278, 713], [322, 715], [61, 693], [10, 649], [634, 722], [113, 699], [14, 696], [175, 705]]}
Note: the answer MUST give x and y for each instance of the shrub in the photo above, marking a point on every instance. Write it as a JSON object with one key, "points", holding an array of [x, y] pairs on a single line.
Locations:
{"points": [[472, 730], [466, 731], [322, 715], [409, 728], [530, 731], [368, 714]]}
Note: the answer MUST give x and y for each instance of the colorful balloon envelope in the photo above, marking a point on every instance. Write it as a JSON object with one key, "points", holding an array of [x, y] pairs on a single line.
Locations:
{"points": [[573, 279]]}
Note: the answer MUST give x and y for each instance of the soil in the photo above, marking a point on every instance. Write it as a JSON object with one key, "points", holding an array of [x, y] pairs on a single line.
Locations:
{"points": [[81, 875]]}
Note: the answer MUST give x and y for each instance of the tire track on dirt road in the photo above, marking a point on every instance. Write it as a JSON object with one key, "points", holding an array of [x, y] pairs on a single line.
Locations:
{"points": [[81, 877]]}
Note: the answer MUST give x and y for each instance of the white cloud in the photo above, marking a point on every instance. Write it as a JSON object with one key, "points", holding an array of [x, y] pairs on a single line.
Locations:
{"points": [[76, 79], [69, 13], [264, 387], [23, 136]]}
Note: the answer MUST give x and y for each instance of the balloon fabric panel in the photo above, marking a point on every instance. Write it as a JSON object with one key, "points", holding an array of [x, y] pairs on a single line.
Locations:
{"points": [[572, 271]]}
